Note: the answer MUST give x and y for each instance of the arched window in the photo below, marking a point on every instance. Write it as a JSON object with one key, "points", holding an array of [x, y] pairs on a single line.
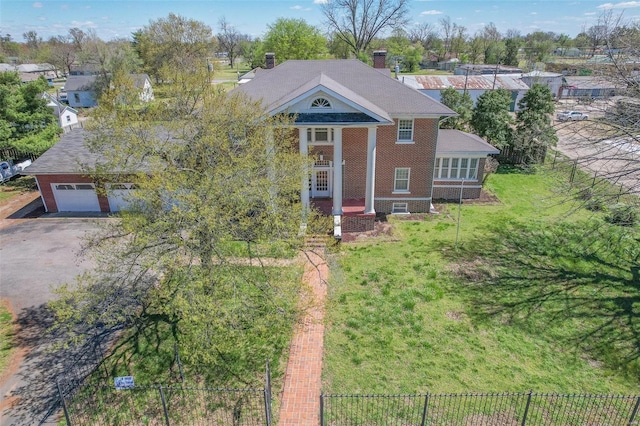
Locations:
{"points": [[321, 103]]}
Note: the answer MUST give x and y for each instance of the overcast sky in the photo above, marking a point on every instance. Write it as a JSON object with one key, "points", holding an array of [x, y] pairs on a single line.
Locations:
{"points": [[119, 18]]}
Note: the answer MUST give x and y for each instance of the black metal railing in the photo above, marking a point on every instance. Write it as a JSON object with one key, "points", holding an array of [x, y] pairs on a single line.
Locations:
{"points": [[517, 409], [102, 404]]}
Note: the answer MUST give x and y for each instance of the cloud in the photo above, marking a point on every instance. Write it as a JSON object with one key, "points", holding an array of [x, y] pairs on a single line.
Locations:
{"points": [[320, 1], [431, 12], [88, 24], [534, 13], [589, 13], [296, 7], [37, 5], [621, 5]]}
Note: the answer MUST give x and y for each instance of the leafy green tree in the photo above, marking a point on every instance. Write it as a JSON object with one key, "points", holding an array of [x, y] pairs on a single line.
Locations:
{"points": [[217, 191], [512, 45], [491, 118], [26, 123], [174, 43], [534, 127], [294, 39], [494, 53], [460, 103]]}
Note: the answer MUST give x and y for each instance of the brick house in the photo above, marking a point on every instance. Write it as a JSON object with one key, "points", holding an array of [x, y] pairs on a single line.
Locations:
{"points": [[376, 142]]}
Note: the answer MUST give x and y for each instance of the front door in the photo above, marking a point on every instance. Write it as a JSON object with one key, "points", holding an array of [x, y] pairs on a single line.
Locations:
{"points": [[321, 182]]}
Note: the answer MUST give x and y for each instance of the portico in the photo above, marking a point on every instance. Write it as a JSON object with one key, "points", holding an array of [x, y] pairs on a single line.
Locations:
{"points": [[326, 177]]}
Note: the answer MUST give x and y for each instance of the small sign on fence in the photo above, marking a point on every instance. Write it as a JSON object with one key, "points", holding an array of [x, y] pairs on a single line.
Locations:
{"points": [[124, 382]]}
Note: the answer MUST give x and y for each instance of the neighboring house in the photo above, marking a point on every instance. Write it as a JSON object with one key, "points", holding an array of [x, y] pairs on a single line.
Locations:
{"points": [[474, 85], [142, 82], [592, 87], [550, 79], [31, 72], [485, 69], [375, 144], [80, 91], [66, 115]]}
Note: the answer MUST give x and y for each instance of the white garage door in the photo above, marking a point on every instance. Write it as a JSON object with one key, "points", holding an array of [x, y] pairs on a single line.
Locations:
{"points": [[75, 197], [119, 195]]}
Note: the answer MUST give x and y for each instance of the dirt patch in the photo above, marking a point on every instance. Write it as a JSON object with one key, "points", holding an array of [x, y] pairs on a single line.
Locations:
{"points": [[485, 198], [454, 315], [380, 228]]}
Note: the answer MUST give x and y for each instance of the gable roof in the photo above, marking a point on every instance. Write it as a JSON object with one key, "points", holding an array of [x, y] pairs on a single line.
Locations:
{"points": [[452, 141], [350, 79], [66, 156], [139, 80], [79, 83]]}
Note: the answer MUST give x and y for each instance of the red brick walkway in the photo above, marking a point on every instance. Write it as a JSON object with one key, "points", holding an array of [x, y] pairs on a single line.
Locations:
{"points": [[302, 381]]}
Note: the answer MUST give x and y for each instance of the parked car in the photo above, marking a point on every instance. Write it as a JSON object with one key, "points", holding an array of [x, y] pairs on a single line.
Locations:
{"points": [[9, 170], [571, 116]]}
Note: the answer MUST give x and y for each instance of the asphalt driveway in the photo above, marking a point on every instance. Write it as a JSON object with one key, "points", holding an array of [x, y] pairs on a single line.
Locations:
{"points": [[37, 255]]}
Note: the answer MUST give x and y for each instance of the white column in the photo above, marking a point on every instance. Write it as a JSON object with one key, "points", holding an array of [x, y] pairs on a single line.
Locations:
{"points": [[337, 171], [304, 152], [371, 171]]}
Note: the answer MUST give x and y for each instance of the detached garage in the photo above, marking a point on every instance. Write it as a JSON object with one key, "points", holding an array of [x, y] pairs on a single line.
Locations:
{"points": [[76, 197], [64, 188]]}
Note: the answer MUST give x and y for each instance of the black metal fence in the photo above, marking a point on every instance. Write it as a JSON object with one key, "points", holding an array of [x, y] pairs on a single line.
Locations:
{"points": [[101, 404], [170, 405], [504, 409]]}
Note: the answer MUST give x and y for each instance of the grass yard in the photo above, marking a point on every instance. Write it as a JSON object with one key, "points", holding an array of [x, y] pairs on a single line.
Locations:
{"points": [[16, 187], [7, 335], [534, 298]]}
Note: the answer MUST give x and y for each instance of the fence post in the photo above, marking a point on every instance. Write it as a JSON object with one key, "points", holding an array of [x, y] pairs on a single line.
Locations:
{"points": [[175, 348], [164, 406], [64, 404], [321, 409], [526, 409], [424, 410], [634, 412], [267, 395]]}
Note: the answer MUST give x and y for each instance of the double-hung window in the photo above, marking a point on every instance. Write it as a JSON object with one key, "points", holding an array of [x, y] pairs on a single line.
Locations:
{"points": [[401, 180], [405, 131]]}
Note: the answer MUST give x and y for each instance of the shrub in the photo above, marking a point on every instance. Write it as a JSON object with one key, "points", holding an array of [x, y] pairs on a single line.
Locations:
{"points": [[623, 215]]}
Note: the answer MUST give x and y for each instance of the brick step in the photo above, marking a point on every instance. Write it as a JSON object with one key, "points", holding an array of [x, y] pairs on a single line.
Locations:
{"points": [[315, 242]]}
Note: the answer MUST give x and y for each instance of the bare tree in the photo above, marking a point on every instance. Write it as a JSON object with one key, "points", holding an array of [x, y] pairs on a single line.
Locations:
{"points": [[358, 22], [446, 30], [229, 39]]}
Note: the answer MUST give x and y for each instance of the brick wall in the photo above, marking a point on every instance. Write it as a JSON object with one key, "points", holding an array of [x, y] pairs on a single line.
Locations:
{"points": [[358, 223], [415, 206], [454, 193], [354, 154]]}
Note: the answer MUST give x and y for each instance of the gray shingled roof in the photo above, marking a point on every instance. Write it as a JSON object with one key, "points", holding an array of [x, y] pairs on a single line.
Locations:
{"points": [[454, 141], [79, 83], [378, 91], [66, 156]]}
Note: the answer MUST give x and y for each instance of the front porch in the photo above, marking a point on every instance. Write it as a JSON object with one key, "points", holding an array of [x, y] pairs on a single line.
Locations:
{"points": [[354, 218]]}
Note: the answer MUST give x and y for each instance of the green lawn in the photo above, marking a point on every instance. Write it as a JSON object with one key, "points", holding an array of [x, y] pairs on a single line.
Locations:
{"points": [[7, 335], [539, 295]]}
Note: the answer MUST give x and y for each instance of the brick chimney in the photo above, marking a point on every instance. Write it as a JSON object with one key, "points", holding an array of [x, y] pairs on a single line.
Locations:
{"points": [[270, 59], [379, 58]]}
